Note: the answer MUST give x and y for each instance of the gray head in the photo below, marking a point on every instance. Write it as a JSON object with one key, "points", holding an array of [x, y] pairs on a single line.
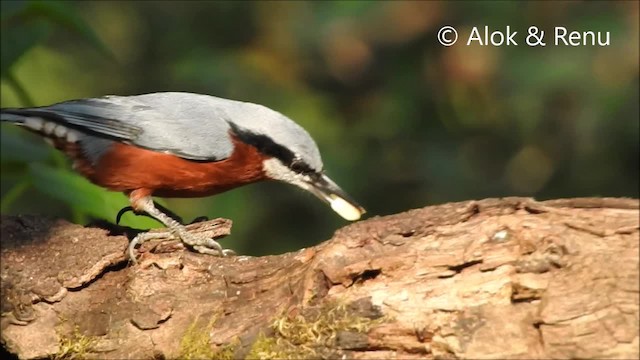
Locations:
{"points": [[293, 155]]}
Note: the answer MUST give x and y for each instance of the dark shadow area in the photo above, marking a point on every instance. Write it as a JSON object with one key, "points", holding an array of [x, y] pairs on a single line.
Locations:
{"points": [[24, 230]]}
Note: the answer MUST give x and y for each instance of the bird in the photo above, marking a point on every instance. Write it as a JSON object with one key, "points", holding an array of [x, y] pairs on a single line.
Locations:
{"points": [[180, 144]]}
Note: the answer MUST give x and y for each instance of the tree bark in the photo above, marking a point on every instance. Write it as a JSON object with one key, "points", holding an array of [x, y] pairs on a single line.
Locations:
{"points": [[497, 278]]}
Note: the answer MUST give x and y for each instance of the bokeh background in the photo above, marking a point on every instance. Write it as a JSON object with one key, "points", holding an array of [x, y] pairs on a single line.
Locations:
{"points": [[402, 121]]}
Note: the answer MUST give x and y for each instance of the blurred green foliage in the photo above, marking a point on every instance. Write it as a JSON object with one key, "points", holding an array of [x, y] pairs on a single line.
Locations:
{"points": [[401, 121]]}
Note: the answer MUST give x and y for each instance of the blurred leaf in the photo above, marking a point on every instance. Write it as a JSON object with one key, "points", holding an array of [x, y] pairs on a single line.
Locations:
{"points": [[330, 10], [27, 23], [78, 192], [13, 194], [21, 38], [15, 148], [65, 15], [11, 8], [20, 91], [70, 188]]}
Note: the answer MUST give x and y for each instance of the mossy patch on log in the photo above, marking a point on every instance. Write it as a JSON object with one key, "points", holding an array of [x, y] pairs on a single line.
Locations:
{"points": [[316, 332]]}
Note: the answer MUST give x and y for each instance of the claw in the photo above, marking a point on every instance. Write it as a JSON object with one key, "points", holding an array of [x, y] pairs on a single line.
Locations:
{"points": [[122, 211], [199, 219]]}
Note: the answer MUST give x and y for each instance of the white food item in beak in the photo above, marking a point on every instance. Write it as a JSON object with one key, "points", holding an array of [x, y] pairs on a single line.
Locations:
{"points": [[345, 209]]}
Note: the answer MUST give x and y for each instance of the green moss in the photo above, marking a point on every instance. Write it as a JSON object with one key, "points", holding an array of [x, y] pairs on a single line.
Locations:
{"points": [[196, 344], [226, 352], [266, 347], [75, 346], [309, 335]]}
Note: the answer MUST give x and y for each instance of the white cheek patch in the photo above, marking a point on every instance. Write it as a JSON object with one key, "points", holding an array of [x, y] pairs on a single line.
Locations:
{"points": [[344, 209], [277, 171]]}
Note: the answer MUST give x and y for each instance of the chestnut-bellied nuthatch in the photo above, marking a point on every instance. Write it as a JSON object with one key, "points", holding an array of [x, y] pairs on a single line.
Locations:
{"points": [[182, 145]]}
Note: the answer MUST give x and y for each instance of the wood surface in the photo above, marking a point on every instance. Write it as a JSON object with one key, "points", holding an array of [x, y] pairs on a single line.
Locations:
{"points": [[496, 278]]}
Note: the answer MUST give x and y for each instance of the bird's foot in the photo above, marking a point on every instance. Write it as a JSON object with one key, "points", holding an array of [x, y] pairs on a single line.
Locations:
{"points": [[201, 244]]}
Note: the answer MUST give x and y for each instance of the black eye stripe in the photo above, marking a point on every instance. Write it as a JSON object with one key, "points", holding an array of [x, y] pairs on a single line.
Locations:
{"points": [[267, 146], [300, 167]]}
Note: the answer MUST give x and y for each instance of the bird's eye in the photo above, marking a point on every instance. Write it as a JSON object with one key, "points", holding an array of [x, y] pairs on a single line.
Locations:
{"points": [[300, 167]]}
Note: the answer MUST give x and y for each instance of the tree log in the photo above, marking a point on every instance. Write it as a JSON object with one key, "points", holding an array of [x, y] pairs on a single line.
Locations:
{"points": [[497, 278]]}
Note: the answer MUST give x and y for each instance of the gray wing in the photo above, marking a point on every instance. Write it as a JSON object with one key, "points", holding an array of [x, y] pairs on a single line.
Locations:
{"points": [[187, 125]]}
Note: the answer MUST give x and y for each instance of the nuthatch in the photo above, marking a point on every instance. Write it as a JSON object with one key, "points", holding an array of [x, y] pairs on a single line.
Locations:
{"points": [[182, 145]]}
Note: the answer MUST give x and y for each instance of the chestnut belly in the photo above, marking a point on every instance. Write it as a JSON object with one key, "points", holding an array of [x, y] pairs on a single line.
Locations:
{"points": [[127, 167]]}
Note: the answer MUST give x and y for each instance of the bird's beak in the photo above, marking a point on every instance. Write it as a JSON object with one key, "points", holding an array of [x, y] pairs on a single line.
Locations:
{"points": [[324, 188]]}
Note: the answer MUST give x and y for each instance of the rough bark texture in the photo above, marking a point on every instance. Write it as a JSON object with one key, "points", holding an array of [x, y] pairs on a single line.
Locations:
{"points": [[497, 278]]}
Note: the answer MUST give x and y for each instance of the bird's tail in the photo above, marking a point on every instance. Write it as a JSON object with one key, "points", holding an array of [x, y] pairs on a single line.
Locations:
{"points": [[43, 123], [13, 116], [22, 117]]}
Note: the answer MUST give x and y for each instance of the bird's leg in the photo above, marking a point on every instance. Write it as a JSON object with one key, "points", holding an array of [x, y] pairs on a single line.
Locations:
{"points": [[173, 215], [201, 244]]}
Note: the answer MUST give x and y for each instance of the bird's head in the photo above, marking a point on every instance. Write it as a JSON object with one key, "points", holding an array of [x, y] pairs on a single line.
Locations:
{"points": [[292, 156]]}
